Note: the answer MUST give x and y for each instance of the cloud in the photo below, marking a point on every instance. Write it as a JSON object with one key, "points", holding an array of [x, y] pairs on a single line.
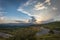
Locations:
{"points": [[48, 1], [54, 8], [44, 16], [21, 8], [29, 2], [23, 11], [57, 18], [42, 11], [2, 17], [2, 13], [39, 6]]}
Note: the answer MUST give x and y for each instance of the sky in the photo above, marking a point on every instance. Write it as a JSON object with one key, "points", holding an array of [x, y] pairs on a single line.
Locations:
{"points": [[41, 10]]}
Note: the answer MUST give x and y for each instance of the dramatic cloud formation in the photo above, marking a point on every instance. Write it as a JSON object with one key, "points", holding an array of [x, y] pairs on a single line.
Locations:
{"points": [[39, 6], [23, 11], [48, 1], [29, 2], [40, 10], [26, 4]]}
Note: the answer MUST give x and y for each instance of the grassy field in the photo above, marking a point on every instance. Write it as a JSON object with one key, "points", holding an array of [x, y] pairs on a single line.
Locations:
{"points": [[29, 33]]}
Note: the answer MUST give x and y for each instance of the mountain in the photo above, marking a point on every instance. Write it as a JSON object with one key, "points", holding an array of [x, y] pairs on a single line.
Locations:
{"points": [[15, 25]]}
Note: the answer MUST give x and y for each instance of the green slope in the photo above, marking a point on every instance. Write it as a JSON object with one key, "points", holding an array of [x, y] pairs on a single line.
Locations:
{"points": [[52, 25]]}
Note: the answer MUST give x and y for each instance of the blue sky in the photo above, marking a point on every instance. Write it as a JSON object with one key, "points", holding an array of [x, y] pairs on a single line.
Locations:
{"points": [[23, 9], [11, 6]]}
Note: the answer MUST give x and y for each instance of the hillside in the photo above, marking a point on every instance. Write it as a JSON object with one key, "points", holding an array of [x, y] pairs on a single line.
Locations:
{"points": [[52, 25], [29, 33]]}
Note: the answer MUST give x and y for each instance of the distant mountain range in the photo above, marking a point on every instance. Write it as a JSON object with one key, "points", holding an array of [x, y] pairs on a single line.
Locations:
{"points": [[14, 25]]}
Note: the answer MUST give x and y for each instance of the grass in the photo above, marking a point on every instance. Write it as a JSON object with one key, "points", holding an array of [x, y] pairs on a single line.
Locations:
{"points": [[28, 33]]}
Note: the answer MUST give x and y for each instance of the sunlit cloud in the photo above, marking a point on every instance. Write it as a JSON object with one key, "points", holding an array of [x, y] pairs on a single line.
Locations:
{"points": [[2, 18], [29, 2], [48, 1], [39, 6], [42, 11], [54, 8], [23, 11]]}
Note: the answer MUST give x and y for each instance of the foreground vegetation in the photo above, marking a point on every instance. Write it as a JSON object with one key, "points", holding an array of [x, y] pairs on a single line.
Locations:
{"points": [[29, 33]]}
